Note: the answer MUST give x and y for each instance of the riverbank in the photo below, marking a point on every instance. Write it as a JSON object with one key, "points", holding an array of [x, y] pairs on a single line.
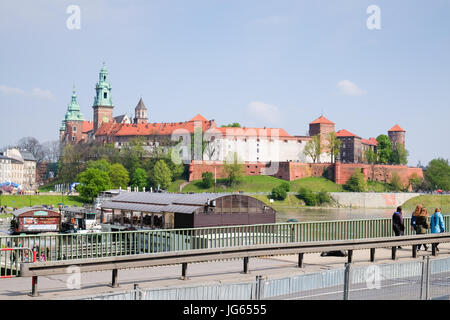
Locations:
{"points": [[430, 201], [20, 201]]}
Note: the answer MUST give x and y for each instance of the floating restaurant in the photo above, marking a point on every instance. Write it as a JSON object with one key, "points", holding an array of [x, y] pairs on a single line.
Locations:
{"points": [[145, 210], [35, 220]]}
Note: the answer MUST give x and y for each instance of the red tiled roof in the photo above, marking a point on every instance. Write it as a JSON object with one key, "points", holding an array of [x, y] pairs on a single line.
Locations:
{"points": [[396, 128], [345, 133], [145, 129], [371, 141], [268, 132], [322, 120], [198, 117], [87, 126]]}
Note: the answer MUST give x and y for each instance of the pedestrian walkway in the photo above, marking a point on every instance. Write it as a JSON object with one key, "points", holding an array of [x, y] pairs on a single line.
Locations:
{"points": [[95, 283]]}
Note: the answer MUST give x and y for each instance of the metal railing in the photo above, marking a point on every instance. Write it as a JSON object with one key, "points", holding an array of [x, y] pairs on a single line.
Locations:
{"points": [[106, 244]]}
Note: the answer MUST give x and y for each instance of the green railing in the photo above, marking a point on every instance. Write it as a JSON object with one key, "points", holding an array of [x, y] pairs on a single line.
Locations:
{"points": [[106, 244]]}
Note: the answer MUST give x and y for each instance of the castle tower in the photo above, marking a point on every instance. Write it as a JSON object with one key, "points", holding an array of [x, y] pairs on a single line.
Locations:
{"points": [[321, 126], [140, 113], [71, 127], [103, 106], [397, 135]]}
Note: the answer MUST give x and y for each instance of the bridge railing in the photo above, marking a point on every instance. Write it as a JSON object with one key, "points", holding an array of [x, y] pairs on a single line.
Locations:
{"points": [[95, 245]]}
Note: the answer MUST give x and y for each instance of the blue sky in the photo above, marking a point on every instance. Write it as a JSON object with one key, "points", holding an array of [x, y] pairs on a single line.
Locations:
{"points": [[260, 63]]}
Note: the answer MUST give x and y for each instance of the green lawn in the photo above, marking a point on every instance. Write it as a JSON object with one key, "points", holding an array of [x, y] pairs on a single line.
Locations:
{"points": [[175, 185], [316, 184], [19, 201], [290, 201], [376, 186], [430, 202]]}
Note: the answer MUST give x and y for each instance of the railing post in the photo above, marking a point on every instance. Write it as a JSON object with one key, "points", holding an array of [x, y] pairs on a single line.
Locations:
{"points": [[427, 287], [137, 292], [34, 280], [114, 282], [350, 256], [258, 288], [300, 260], [414, 251], [245, 265], [394, 253], [433, 249], [184, 271], [346, 280], [372, 254]]}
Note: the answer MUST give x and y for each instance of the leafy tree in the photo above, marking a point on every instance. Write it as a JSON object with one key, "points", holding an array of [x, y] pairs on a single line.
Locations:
{"points": [[234, 170], [313, 148], [356, 183], [323, 197], [161, 175], [232, 125], [399, 155], [384, 148], [415, 182], [437, 174], [370, 156], [101, 164], [334, 145], [207, 180], [139, 179], [132, 153], [92, 182], [119, 176], [279, 193]]}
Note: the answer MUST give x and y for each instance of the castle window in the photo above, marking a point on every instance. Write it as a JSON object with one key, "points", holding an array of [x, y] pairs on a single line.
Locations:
{"points": [[104, 78], [74, 129], [73, 138], [105, 95]]}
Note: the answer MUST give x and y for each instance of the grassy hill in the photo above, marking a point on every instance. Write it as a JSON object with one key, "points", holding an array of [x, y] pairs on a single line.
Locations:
{"points": [[19, 201], [430, 202]]}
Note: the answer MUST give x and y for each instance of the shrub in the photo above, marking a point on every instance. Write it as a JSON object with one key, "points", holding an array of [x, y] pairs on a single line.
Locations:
{"points": [[207, 180], [396, 183], [286, 186], [356, 183], [308, 196], [323, 197], [279, 193]]}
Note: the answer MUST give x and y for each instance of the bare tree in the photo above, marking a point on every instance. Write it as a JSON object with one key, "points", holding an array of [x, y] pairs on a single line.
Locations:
{"points": [[52, 150], [33, 146]]}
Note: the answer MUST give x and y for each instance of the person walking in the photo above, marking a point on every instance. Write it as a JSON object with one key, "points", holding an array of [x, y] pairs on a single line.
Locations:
{"points": [[422, 224], [437, 224], [397, 223], [413, 216]]}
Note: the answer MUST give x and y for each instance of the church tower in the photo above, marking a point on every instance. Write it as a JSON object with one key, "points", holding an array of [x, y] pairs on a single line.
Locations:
{"points": [[71, 126], [103, 106], [140, 113]]}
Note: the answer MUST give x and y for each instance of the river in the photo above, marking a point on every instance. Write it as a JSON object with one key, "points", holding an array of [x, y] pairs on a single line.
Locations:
{"points": [[325, 214]]}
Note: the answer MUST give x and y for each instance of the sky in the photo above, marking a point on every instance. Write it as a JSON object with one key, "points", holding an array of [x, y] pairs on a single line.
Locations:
{"points": [[261, 63]]}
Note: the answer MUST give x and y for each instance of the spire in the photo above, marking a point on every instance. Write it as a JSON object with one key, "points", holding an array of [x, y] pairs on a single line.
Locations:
{"points": [[73, 109], [140, 105], [103, 89]]}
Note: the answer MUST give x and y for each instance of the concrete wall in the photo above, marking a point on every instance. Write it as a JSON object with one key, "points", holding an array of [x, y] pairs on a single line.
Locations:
{"points": [[371, 199]]}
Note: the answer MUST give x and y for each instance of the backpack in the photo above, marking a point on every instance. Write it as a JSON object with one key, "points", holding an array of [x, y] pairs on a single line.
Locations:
{"points": [[413, 222]]}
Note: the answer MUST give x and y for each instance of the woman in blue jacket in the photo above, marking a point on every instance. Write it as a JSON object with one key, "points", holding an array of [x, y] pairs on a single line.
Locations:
{"points": [[437, 223]]}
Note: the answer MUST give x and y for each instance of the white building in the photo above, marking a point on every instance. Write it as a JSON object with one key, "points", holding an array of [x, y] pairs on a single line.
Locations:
{"points": [[18, 166]]}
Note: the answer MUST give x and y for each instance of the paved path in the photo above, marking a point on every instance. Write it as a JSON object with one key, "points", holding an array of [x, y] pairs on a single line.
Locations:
{"points": [[94, 283]]}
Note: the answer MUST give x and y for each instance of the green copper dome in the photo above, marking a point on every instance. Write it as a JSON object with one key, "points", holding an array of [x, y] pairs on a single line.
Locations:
{"points": [[73, 110]]}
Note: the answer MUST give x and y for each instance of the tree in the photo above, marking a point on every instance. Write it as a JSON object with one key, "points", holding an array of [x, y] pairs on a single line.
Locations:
{"points": [[234, 170], [437, 174], [101, 164], [334, 145], [70, 164], [399, 155], [33, 146], [52, 151], [356, 183], [119, 176], [384, 148], [313, 148], [232, 125], [207, 180], [92, 182], [139, 179], [132, 152], [161, 176], [286, 186], [307, 196], [370, 156]]}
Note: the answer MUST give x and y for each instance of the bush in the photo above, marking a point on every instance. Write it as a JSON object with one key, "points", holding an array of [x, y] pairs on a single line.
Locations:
{"points": [[313, 199], [396, 183], [279, 193], [286, 186], [207, 180], [356, 183]]}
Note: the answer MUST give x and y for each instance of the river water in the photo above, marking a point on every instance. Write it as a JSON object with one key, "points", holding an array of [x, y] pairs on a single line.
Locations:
{"points": [[326, 214]]}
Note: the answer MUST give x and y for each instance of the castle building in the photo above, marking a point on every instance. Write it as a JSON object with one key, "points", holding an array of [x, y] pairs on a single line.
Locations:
{"points": [[250, 144]]}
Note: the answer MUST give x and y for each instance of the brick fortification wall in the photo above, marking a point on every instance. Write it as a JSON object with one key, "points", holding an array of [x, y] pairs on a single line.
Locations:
{"points": [[289, 171]]}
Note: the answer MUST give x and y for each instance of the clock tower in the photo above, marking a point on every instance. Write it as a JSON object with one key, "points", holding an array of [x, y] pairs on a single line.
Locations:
{"points": [[103, 106]]}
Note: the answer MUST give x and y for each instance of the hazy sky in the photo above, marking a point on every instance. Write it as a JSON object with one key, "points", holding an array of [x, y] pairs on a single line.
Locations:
{"points": [[260, 63]]}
